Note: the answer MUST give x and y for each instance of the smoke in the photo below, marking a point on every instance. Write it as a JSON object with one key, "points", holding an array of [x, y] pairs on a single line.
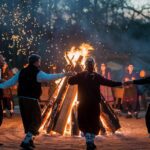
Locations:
{"points": [[52, 27]]}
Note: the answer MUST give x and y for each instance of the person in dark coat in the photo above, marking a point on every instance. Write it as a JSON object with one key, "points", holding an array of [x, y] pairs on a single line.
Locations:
{"points": [[29, 91], [141, 82], [1, 96], [1, 114], [89, 99], [6, 95], [130, 97]]}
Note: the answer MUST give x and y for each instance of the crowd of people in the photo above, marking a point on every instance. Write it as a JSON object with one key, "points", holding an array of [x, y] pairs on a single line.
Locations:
{"points": [[132, 94], [90, 87]]}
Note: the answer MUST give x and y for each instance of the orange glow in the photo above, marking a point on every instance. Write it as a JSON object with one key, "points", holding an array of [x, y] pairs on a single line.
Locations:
{"points": [[142, 73], [71, 57], [54, 96], [68, 128], [74, 53]]}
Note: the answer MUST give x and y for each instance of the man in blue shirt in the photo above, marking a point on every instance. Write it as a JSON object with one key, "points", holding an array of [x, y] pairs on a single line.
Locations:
{"points": [[29, 81]]}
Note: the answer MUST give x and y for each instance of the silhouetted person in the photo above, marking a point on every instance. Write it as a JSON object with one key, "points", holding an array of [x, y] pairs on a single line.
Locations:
{"points": [[89, 99]]}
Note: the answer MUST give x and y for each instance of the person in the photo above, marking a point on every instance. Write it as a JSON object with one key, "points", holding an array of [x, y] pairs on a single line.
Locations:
{"points": [[106, 91], [142, 82], [7, 100], [29, 90], [89, 99], [107, 94], [130, 99], [1, 111]]}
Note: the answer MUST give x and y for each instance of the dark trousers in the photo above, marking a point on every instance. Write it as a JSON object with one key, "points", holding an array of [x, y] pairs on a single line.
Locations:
{"points": [[31, 115], [147, 118], [1, 113], [8, 103]]}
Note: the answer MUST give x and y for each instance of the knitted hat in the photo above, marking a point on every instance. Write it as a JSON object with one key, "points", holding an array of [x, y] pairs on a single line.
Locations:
{"points": [[33, 58]]}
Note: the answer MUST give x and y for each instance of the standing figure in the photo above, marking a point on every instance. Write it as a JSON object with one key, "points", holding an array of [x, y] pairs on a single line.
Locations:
{"points": [[1, 109], [7, 99], [29, 90], [142, 82], [89, 99], [130, 98], [106, 91]]}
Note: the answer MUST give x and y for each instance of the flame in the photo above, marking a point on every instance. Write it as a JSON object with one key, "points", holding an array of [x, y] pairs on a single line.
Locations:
{"points": [[74, 53], [72, 57], [59, 83], [68, 128]]}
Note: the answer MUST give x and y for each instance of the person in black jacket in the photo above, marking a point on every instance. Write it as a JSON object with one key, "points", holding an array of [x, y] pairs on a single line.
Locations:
{"points": [[141, 82], [29, 91], [89, 99], [1, 116]]}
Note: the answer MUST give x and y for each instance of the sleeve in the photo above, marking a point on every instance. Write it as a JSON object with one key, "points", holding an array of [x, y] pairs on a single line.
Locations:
{"points": [[74, 79], [45, 77], [12, 81], [106, 82], [142, 81]]}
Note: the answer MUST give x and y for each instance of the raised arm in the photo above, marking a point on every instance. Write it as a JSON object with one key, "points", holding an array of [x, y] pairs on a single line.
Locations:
{"points": [[45, 77], [106, 82], [12, 81]]}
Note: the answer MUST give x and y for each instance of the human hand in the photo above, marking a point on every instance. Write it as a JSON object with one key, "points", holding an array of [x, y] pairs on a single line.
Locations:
{"points": [[127, 83], [68, 74]]}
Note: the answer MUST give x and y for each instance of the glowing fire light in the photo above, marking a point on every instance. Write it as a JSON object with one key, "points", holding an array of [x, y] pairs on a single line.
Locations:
{"points": [[74, 54], [83, 50], [71, 57]]}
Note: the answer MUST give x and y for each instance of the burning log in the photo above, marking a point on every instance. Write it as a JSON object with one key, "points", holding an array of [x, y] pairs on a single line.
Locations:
{"points": [[57, 106], [55, 118], [74, 121], [48, 108], [109, 118], [65, 110], [63, 103], [54, 115]]}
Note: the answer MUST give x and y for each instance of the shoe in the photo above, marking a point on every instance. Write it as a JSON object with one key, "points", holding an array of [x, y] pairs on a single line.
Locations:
{"points": [[91, 146], [32, 144], [11, 114], [26, 146], [129, 116], [4, 115], [136, 115]]}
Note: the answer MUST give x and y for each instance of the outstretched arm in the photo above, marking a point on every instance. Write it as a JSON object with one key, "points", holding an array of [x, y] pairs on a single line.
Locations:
{"points": [[12, 81], [106, 82], [45, 77], [74, 79], [142, 81]]}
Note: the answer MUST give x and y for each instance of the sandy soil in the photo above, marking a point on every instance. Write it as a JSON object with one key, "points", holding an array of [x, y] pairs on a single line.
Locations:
{"points": [[133, 136]]}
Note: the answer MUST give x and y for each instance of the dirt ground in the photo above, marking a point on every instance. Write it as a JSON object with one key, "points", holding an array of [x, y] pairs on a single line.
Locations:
{"points": [[133, 136]]}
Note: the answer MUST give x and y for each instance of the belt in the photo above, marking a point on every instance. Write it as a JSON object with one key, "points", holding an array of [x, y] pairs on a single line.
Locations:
{"points": [[28, 98]]}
